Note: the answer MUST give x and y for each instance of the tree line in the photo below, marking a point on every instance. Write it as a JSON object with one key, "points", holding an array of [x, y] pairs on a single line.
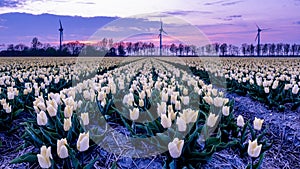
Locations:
{"points": [[106, 47]]}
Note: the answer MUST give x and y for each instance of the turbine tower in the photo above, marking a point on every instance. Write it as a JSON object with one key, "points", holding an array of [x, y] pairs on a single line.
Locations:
{"points": [[259, 30], [61, 31], [161, 31]]}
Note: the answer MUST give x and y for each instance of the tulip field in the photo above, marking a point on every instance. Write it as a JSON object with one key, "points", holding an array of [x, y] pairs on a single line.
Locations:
{"points": [[149, 112]]}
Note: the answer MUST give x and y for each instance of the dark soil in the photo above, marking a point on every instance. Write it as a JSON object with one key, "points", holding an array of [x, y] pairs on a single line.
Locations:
{"points": [[284, 131], [11, 148]]}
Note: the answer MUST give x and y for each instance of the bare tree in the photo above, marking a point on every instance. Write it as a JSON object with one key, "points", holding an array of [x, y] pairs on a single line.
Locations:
{"points": [[223, 49], [265, 49], [36, 43], [244, 48], [286, 49]]}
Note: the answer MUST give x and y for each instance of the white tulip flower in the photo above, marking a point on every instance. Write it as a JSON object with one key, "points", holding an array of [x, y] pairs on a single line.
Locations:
{"points": [[240, 121], [62, 150], [254, 149], [44, 157], [218, 101], [68, 112], [225, 110], [177, 105], [295, 89], [166, 122], [161, 108], [42, 119], [67, 124], [257, 123], [83, 142], [134, 114], [212, 119], [85, 118], [175, 147], [181, 124]]}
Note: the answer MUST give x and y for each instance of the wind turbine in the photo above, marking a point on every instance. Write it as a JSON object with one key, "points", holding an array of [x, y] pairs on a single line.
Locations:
{"points": [[161, 31], [259, 30], [61, 31]]}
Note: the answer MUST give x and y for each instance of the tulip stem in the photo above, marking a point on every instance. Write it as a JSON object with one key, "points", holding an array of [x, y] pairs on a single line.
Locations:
{"points": [[175, 163], [133, 127], [82, 159]]}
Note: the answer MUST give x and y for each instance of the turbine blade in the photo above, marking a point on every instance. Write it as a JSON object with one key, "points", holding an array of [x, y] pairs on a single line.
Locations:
{"points": [[164, 31], [266, 29], [256, 37], [60, 24], [257, 26]]}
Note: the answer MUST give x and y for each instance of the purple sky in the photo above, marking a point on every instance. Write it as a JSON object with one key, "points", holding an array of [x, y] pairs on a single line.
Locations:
{"points": [[231, 21]]}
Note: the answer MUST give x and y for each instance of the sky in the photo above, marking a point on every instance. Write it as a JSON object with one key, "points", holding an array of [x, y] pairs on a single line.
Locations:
{"points": [[230, 21]]}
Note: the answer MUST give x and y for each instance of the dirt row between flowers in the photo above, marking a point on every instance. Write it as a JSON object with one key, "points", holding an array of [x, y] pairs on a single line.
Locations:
{"points": [[283, 129]]}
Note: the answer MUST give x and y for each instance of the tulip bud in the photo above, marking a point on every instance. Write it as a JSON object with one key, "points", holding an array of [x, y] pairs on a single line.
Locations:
{"points": [[257, 123], [208, 100], [240, 121], [142, 95], [141, 103], [267, 90], [177, 105], [225, 110], [51, 111], [134, 114], [42, 118], [218, 101], [275, 84], [214, 92], [171, 112], [225, 101], [212, 119], [113, 88], [295, 89], [254, 149], [67, 124], [2, 101], [25, 92], [185, 100], [85, 118], [148, 92], [83, 142], [7, 107], [175, 147], [164, 97], [189, 116], [44, 157], [185, 91], [181, 124], [41, 105], [161, 108], [166, 122], [86, 95], [10, 95], [68, 112], [173, 98], [287, 86], [62, 150], [56, 97], [101, 96]]}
